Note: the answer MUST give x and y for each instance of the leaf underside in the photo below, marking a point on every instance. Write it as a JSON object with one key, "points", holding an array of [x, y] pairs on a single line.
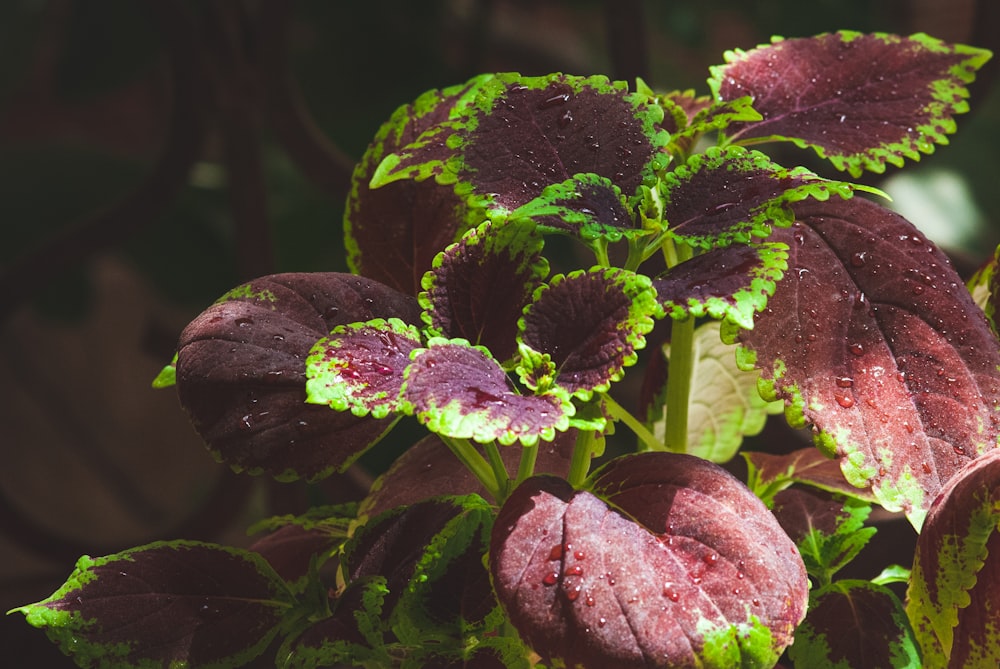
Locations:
{"points": [[872, 339]]}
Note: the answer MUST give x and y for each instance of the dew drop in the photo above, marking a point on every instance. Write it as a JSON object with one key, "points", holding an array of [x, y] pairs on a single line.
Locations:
{"points": [[244, 322], [573, 593], [670, 593], [550, 579], [579, 555], [859, 259], [711, 559], [589, 601], [565, 119], [246, 423], [755, 601], [856, 349], [845, 401], [556, 553], [845, 382], [602, 621], [278, 337], [926, 467], [331, 312], [575, 570]]}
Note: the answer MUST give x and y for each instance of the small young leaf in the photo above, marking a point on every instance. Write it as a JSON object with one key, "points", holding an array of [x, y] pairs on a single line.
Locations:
{"points": [[855, 623], [872, 338], [392, 234], [724, 405], [178, 603], [587, 206], [731, 283], [731, 195], [985, 288], [582, 330], [241, 372], [525, 133], [479, 286], [952, 597], [360, 366], [669, 562], [460, 391], [858, 100], [828, 529]]}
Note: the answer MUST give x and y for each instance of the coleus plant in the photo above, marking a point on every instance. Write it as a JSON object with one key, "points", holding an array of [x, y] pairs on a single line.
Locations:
{"points": [[503, 537]]}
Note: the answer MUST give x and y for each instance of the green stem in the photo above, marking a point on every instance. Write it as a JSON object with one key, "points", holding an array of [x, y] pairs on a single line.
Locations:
{"points": [[617, 411], [579, 464], [476, 463], [499, 470], [681, 369], [526, 467]]}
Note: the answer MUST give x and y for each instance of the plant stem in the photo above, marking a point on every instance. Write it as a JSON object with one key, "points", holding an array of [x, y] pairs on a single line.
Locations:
{"points": [[681, 367], [526, 467], [476, 463], [648, 439], [579, 464], [499, 470]]}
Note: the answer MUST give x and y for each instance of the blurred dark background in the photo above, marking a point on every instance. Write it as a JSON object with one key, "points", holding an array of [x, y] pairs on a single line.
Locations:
{"points": [[155, 154]]}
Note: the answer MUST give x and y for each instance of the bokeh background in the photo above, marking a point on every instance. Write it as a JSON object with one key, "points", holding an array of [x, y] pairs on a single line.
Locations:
{"points": [[156, 153]]}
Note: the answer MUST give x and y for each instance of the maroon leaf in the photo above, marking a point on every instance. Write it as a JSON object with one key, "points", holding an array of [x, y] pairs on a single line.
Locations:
{"points": [[859, 100], [241, 372], [805, 465], [479, 286], [670, 560], [872, 338], [583, 329], [524, 133], [952, 597], [394, 232], [166, 604]]}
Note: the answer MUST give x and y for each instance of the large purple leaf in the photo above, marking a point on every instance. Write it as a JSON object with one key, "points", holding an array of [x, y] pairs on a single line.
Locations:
{"points": [[854, 623], [393, 233], [583, 329], [859, 100], [479, 286], [522, 134], [241, 372], [873, 340], [360, 366], [670, 561], [952, 600], [461, 392], [166, 604]]}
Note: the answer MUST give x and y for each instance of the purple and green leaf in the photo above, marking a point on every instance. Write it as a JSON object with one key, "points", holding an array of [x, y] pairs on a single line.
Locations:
{"points": [[587, 207], [460, 391], [872, 339], [853, 623], [583, 329], [859, 100], [732, 195], [478, 286], [952, 600], [393, 234], [521, 134], [669, 561], [241, 372], [985, 288], [178, 603], [360, 366], [769, 474], [731, 283]]}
